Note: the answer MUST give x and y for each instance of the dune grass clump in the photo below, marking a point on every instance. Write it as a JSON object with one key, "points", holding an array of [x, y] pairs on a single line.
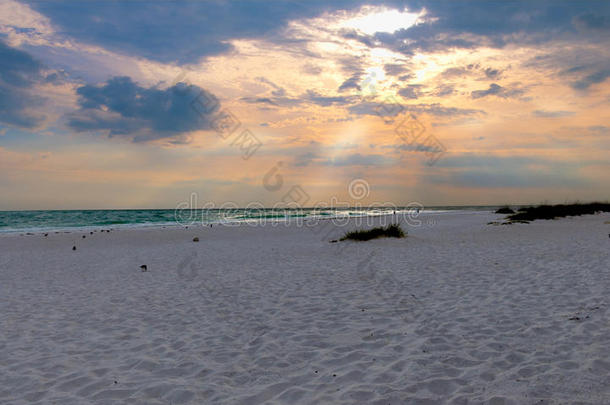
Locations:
{"points": [[558, 211], [391, 231], [505, 210]]}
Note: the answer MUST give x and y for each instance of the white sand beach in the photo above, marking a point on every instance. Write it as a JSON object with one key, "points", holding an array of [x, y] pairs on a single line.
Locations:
{"points": [[459, 312]]}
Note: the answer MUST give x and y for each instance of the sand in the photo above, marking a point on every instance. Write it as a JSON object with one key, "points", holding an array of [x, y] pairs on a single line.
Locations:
{"points": [[459, 312]]}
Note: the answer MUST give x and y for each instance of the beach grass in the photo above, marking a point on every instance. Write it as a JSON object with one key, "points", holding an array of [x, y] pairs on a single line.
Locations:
{"points": [[391, 231], [558, 211]]}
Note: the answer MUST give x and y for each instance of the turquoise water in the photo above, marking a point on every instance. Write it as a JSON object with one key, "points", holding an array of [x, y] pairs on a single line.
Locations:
{"points": [[15, 221]]}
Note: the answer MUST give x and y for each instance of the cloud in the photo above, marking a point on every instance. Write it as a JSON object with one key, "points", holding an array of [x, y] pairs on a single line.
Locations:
{"points": [[120, 107], [473, 170], [182, 32], [515, 177], [552, 114], [448, 25], [357, 159], [498, 91], [19, 73]]}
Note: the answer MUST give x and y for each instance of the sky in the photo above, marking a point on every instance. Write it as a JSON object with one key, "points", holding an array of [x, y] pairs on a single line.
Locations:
{"points": [[133, 104]]}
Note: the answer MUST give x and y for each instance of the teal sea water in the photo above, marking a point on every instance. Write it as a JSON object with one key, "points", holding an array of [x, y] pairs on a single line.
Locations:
{"points": [[19, 221]]}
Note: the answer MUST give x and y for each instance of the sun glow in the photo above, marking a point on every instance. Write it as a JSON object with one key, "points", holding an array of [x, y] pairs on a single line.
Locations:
{"points": [[378, 19]]}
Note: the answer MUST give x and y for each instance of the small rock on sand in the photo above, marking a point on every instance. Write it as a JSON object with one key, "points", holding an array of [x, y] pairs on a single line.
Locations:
{"points": [[144, 268], [195, 239], [73, 247]]}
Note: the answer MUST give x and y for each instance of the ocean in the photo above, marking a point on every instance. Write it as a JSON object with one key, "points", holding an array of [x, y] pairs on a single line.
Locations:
{"points": [[32, 221]]}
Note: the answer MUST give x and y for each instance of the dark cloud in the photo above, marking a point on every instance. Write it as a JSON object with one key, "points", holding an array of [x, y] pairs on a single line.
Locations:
{"points": [[178, 31], [440, 110], [259, 100], [367, 40], [310, 97], [353, 67], [16, 108], [457, 71], [394, 69], [355, 159], [580, 67], [552, 114], [474, 69], [390, 110], [56, 78], [599, 129], [19, 73], [326, 101], [411, 92], [18, 68], [277, 90], [305, 159], [591, 21], [120, 107], [498, 91], [443, 90], [351, 83], [311, 69], [599, 76], [493, 90], [492, 73], [412, 147]]}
